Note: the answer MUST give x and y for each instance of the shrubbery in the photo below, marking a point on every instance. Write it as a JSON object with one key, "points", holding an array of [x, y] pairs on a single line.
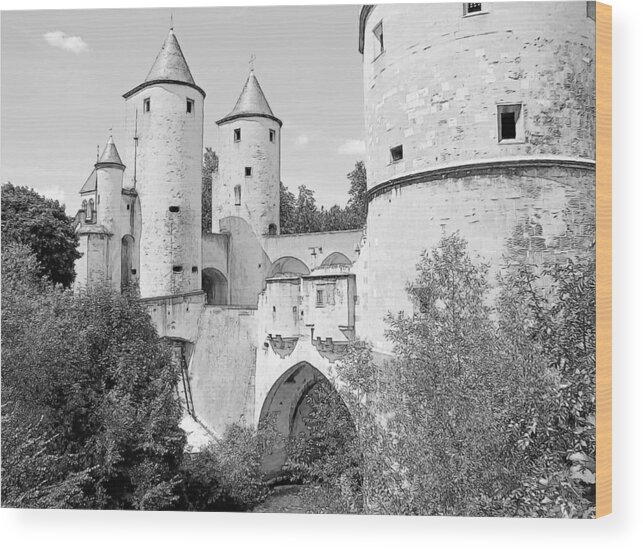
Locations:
{"points": [[487, 408]]}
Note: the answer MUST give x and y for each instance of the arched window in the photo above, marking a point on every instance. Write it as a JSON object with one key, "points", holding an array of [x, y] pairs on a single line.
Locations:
{"points": [[272, 229], [84, 207], [90, 210]]}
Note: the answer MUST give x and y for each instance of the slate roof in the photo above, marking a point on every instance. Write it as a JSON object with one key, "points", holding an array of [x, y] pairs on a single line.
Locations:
{"points": [[251, 102]]}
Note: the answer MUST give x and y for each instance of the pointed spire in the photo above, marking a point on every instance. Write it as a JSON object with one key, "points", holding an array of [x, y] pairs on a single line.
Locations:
{"points": [[169, 66], [170, 63], [110, 154], [251, 102]]}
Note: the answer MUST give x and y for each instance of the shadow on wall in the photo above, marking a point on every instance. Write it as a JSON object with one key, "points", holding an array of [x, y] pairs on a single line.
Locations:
{"points": [[215, 285]]}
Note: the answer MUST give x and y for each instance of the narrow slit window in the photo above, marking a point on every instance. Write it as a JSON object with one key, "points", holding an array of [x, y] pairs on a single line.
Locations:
{"points": [[272, 136], [472, 7], [248, 171], [237, 195], [237, 134], [397, 153], [510, 123], [90, 209], [189, 106], [378, 31], [146, 105]]}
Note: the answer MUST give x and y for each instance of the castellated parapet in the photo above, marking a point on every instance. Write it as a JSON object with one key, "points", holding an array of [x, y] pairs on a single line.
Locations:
{"points": [[481, 123], [165, 121]]}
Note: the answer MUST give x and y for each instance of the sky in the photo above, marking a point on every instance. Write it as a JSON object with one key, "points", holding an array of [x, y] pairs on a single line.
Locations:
{"points": [[64, 73]]}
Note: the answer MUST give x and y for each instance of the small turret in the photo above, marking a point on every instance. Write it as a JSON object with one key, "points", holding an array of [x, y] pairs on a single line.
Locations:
{"points": [[247, 182]]}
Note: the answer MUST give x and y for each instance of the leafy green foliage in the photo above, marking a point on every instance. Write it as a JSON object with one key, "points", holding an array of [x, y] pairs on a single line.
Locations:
{"points": [[300, 214], [87, 379], [210, 165], [41, 224]]}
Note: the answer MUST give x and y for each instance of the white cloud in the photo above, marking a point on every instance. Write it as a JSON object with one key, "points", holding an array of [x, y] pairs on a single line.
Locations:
{"points": [[58, 39], [352, 147], [302, 140]]}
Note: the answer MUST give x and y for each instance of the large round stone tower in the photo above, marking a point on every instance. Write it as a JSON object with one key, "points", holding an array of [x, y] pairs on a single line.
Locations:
{"points": [[480, 120], [247, 183], [165, 122]]}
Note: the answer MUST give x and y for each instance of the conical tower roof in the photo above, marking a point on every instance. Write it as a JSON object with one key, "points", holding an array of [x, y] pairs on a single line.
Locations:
{"points": [[170, 63], [110, 154], [169, 66], [251, 102]]}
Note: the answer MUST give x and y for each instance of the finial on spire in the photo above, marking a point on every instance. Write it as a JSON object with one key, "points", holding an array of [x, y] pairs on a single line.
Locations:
{"points": [[171, 20], [252, 62], [97, 152]]}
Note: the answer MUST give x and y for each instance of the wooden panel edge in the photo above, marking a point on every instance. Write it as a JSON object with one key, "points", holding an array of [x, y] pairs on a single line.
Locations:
{"points": [[603, 259]]}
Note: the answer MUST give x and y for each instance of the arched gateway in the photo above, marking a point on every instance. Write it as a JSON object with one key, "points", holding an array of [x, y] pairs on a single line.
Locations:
{"points": [[285, 408]]}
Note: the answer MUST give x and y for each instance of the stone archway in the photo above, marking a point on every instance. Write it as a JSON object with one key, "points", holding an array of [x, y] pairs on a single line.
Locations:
{"points": [[285, 409], [215, 285]]}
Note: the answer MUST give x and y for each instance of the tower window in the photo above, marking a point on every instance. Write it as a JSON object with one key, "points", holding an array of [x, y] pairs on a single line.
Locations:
{"points": [[195, 269], [397, 153], [189, 106], [177, 268], [237, 134], [146, 105], [174, 208], [319, 301], [272, 136], [378, 31], [511, 126], [248, 171], [90, 210], [237, 195], [471, 8], [272, 229]]}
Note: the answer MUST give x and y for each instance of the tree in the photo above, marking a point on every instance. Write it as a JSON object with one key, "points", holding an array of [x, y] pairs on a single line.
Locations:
{"points": [[210, 165], [88, 383], [42, 225], [286, 210], [357, 206], [307, 216], [481, 411]]}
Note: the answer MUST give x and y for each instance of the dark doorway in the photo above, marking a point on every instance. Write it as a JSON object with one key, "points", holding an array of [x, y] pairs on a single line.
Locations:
{"points": [[215, 286]]}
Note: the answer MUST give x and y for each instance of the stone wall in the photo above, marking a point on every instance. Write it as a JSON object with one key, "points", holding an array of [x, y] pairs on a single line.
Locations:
{"points": [[168, 174], [435, 88], [222, 368], [259, 200]]}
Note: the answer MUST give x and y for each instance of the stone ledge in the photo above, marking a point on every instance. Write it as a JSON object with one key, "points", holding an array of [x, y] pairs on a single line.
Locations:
{"points": [[461, 169]]}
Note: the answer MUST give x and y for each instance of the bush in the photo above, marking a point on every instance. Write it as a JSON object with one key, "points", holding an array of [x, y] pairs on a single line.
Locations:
{"points": [[481, 411], [92, 390], [227, 474]]}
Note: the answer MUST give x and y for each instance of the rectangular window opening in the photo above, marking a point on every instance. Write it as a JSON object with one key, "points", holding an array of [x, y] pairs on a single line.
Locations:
{"points": [[397, 153], [272, 136], [510, 123], [320, 297], [248, 171], [237, 195], [378, 31], [189, 107], [472, 7], [146, 105], [237, 134], [177, 268]]}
